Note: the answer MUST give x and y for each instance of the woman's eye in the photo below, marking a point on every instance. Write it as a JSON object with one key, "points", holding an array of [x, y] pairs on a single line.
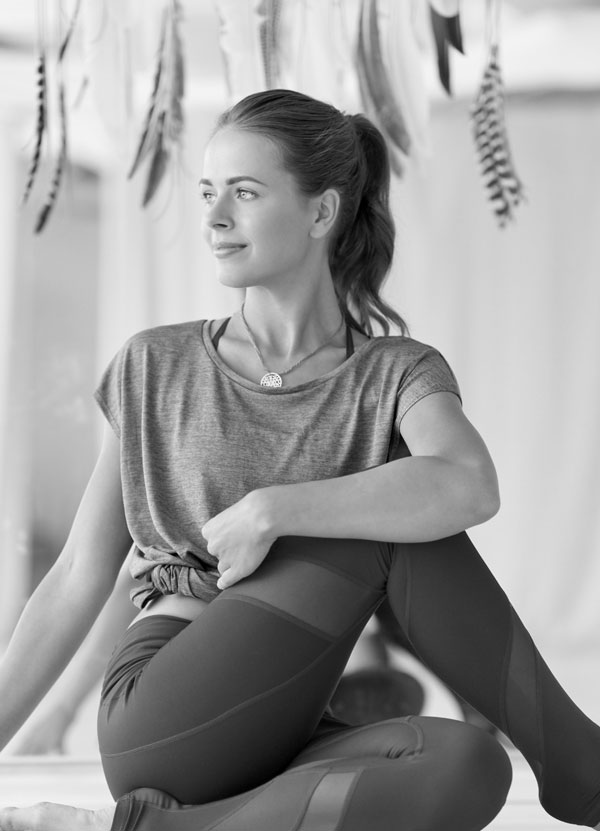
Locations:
{"points": [[207, 196], [245, 195]]}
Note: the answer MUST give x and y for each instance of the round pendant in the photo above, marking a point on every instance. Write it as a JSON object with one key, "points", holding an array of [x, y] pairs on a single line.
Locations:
{"points": [[271, 379]]}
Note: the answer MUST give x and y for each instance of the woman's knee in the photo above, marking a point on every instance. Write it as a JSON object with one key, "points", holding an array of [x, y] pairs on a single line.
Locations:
{"points": [[473, 765]]}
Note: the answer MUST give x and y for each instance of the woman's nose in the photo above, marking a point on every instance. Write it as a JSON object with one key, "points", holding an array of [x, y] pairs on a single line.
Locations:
{"points": [[218, 214]]}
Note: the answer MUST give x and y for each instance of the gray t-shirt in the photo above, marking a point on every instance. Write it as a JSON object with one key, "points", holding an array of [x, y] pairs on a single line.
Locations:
{"points": [[196, 436]]}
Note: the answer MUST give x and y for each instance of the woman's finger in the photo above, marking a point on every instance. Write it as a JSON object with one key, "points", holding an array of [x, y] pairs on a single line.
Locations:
{"points": [[227, 578]]}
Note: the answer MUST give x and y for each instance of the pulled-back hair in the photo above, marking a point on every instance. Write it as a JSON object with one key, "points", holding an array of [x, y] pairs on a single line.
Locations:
{"points": [[323, 148]]}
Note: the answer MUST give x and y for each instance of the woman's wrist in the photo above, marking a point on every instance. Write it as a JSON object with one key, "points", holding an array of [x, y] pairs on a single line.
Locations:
{"points": [[271, 507]]}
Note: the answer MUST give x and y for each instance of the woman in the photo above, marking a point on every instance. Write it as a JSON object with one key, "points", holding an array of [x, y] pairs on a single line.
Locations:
{"points": [[281, 472]]}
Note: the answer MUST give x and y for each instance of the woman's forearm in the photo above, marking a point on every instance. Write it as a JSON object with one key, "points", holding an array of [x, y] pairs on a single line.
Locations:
{"points": [[54, 623], [88, 664], [414, 499]]}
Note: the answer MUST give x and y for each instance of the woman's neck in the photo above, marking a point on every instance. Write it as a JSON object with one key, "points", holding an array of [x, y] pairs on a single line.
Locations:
{"points": [[290, 326]]}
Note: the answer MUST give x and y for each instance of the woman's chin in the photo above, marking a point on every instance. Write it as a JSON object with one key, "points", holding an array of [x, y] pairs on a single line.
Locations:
{"points": [[235, 281]]}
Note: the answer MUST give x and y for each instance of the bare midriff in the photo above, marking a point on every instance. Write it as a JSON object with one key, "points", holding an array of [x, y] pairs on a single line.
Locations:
{"points": [[176, 605]]}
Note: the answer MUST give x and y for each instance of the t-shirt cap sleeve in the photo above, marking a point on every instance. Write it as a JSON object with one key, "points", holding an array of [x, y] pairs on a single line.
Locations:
{"points": [[430, 373], [108, 392]]}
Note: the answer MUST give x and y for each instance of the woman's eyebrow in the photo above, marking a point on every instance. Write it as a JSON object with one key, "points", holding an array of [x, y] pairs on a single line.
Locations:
{"points": [[234, 180]]}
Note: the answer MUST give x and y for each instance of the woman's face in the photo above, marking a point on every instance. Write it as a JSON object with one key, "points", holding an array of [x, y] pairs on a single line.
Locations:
{"points": [[255, 219]]}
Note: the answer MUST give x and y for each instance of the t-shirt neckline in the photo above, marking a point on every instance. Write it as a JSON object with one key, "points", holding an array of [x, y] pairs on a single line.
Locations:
{"points": [[256, 387]]}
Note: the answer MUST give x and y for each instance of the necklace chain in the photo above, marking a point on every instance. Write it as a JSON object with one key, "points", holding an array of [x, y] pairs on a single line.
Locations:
{"points": [[274, 379]]}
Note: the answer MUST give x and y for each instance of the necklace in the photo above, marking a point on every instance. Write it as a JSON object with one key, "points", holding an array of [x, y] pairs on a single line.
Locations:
{"points": [[274, 379]]}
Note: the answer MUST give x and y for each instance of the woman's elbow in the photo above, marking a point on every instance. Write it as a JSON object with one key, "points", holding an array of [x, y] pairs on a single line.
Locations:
{"points": [[484, 494]]}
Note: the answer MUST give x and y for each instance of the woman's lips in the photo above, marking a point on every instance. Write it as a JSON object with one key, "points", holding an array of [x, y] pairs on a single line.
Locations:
{"points": [[227, 249]]}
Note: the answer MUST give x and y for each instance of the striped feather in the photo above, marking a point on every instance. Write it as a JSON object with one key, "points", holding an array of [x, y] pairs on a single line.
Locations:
{"points": [[41, 125], [59, 167], [502, 184]]}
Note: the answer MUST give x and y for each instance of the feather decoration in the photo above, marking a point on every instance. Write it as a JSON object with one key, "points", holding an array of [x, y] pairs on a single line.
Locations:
{"points": [[375, 85], [503, 186], [270, 13], [59, 167], [446, 30], [67, 38], [164, 123], [445, 8], [403, 57], [41, 124], [240, 43]]}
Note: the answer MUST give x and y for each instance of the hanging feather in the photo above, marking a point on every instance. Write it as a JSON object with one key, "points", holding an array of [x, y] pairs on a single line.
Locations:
{"points": [[241, 47], [446, 31], [270, 12], [59, 167], [403, 57], [147, 138], [163, 127], [41, 124], [158, 164], [67, 38], [445, 8], [503, 186], [375, 85]]}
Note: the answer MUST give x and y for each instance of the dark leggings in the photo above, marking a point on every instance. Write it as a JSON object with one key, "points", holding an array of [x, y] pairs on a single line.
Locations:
{"points": [[218, 724]]}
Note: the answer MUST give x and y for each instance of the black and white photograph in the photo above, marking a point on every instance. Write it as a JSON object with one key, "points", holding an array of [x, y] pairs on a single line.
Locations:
{"points": [[299, 415]]}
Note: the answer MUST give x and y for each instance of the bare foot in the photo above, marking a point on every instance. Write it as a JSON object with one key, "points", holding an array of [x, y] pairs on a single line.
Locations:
{"points": [[48, 816]]}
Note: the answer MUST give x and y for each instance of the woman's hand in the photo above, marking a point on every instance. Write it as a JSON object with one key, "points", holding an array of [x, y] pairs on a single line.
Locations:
{"points": [[240, 538]]}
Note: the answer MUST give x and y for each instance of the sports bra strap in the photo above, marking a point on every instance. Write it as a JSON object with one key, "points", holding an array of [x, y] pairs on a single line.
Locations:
{"points": [[218, 334], [349, 342]]}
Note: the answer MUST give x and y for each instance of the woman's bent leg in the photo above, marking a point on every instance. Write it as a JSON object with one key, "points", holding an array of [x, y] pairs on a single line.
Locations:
{"points": [[414, 774], [228, 701], [463, 627], [214, 711]]}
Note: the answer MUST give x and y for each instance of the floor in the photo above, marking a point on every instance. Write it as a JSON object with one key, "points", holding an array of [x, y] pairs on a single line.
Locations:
{"points": [[78, 781]]}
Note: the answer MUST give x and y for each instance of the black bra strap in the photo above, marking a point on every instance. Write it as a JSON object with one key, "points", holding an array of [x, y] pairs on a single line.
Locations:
{"points": [[349, 342], [217, 336]]}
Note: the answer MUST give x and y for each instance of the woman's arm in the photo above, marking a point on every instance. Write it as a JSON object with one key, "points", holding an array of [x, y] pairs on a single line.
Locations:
{"points": [[63, 607], [44, 731], [448, 484]]}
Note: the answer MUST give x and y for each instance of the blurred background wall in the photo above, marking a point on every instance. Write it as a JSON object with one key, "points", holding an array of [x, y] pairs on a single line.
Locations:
{"points": [[515, 311]]}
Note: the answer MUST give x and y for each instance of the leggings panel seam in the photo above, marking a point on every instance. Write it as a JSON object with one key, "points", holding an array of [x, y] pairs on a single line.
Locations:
{"points": [[348, 797], [502, 704], [302, 624], [238, 708], [340, 572]]}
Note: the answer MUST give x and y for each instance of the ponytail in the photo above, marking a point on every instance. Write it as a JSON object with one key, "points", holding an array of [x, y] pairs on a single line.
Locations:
{"points": [[362, 253], [323, 148]]}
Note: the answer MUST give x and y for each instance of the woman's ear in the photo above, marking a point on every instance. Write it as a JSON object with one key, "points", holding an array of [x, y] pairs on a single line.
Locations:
{"points": [[327, 207]]}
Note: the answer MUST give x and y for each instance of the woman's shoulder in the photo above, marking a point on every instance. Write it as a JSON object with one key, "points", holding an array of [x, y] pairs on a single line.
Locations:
{"points": [[170, 335], [167, 338], [401, 348]]}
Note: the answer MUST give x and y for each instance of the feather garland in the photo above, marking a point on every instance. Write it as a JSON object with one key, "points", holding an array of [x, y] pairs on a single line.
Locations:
{"points": [[163, 127], [503, 186], [41, 124], [375, 84], [59, 166]]}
